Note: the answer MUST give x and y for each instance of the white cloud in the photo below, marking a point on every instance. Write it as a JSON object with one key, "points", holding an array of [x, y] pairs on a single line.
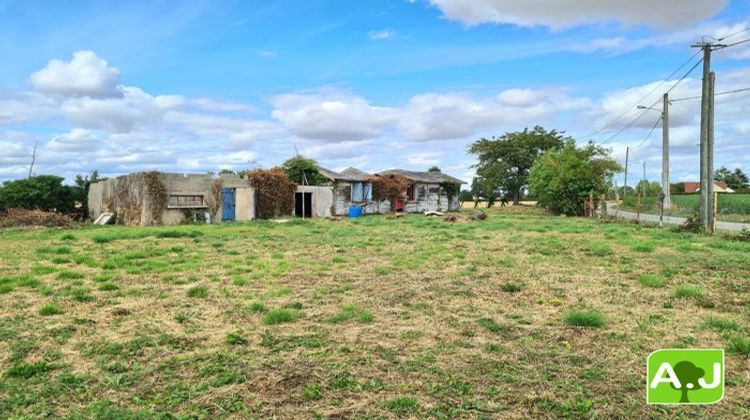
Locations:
{"points": [[381, 35], [450, 116], [331, 116], [19, 106], [712, 29], [77, 140], [268, 54], [85, 75], [423, 160], [119, 115], [559, 14]]}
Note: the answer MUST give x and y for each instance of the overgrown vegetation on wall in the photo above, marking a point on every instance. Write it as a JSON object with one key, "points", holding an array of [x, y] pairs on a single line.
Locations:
{"points": [[388, 187], [451, 190], [157, 195], [274, 191], [214, 201]]}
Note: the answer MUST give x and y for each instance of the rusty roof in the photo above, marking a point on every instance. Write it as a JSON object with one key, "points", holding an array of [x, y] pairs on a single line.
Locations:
{"points": [[425, 177]]}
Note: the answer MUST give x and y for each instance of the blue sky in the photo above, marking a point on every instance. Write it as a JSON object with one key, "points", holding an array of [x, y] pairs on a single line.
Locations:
{"points": [[204, 85]]}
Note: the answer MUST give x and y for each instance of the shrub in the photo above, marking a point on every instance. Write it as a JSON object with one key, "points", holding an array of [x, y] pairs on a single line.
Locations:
{"points": [[563, 179], [275, 192], [584, 318], [388, 187], [44, 192], [18, 217]]}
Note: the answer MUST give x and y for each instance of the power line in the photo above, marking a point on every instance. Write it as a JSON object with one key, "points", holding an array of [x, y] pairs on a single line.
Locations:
{"points": [[656, 124], [733, 34], [738, 43], [609, 123], [729, 92], [630, 124]]}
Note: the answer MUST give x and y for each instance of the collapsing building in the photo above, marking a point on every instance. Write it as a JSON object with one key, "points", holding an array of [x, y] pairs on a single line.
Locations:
{"points": [[426, 191], [150, 198]]}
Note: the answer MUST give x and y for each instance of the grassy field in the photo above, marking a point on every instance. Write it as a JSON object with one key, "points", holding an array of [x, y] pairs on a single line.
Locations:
{"points": [[731, 207], [520, 315]]}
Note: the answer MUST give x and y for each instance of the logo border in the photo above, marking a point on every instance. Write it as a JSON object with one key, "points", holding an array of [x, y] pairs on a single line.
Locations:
{"points": [[723, 377]]}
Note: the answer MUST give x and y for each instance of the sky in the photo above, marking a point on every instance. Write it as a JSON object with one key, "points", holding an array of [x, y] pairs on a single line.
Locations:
{"points": [[200, 86]]}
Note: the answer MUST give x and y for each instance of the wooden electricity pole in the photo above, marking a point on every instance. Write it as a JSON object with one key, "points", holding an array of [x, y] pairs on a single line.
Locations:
{"points": [[627, 157], [706, 166], [665, 153]]}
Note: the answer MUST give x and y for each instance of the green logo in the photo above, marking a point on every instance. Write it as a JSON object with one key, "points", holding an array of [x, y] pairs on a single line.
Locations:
{"points": [[680, 376]]}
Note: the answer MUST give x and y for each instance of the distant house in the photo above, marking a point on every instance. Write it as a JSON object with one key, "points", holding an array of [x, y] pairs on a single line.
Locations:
{"points": [[694, 187], [426, 192], [148, 198]]}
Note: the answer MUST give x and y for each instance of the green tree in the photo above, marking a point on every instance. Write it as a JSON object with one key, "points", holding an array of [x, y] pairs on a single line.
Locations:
{"points": [[434, 169], [734, 179], [43, 192], [562, 179], [504, 162], [688, 375], [303, 171], [648, 189]]}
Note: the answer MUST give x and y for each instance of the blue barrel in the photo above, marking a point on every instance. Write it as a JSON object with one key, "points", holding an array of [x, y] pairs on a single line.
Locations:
{"points": [[355, 211]]}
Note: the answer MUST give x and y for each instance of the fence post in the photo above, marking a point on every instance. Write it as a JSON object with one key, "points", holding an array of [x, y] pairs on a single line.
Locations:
{"points": [[591, 204], [716, 208], [603, 214], [638, 209]]}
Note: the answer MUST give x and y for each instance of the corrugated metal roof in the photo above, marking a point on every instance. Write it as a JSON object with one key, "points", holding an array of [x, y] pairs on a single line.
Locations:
{"points": [[426, 177]]}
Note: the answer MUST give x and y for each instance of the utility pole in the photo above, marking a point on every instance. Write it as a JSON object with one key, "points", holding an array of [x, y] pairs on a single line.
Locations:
{"points": [[627, 157], [665, 152], [707, 187], [710, 153], [644, 185]]}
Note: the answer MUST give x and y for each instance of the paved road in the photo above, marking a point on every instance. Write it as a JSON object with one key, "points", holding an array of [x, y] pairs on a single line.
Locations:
{"points": [[671, 220]]}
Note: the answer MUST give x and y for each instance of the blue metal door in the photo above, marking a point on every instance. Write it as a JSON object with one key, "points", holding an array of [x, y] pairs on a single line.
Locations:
{"points": [[227, 204]]}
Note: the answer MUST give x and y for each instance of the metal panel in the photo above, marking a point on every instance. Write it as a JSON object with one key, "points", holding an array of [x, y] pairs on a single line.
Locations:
{"points": [[228, 204]]}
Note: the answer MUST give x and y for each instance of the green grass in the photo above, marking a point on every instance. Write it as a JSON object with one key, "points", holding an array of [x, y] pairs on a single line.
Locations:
{"points": [[402, 405], [235, 339], [50, 309], [739, 344], [349, 312], [198, 292], [28, 370], [492, 325], [651, 280], [281, 316], [380, 317], [688, 291], [584, 318], [721, 324]]}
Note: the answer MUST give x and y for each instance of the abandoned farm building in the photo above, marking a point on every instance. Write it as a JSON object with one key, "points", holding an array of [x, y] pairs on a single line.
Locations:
{"points": [[148, 198]]}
